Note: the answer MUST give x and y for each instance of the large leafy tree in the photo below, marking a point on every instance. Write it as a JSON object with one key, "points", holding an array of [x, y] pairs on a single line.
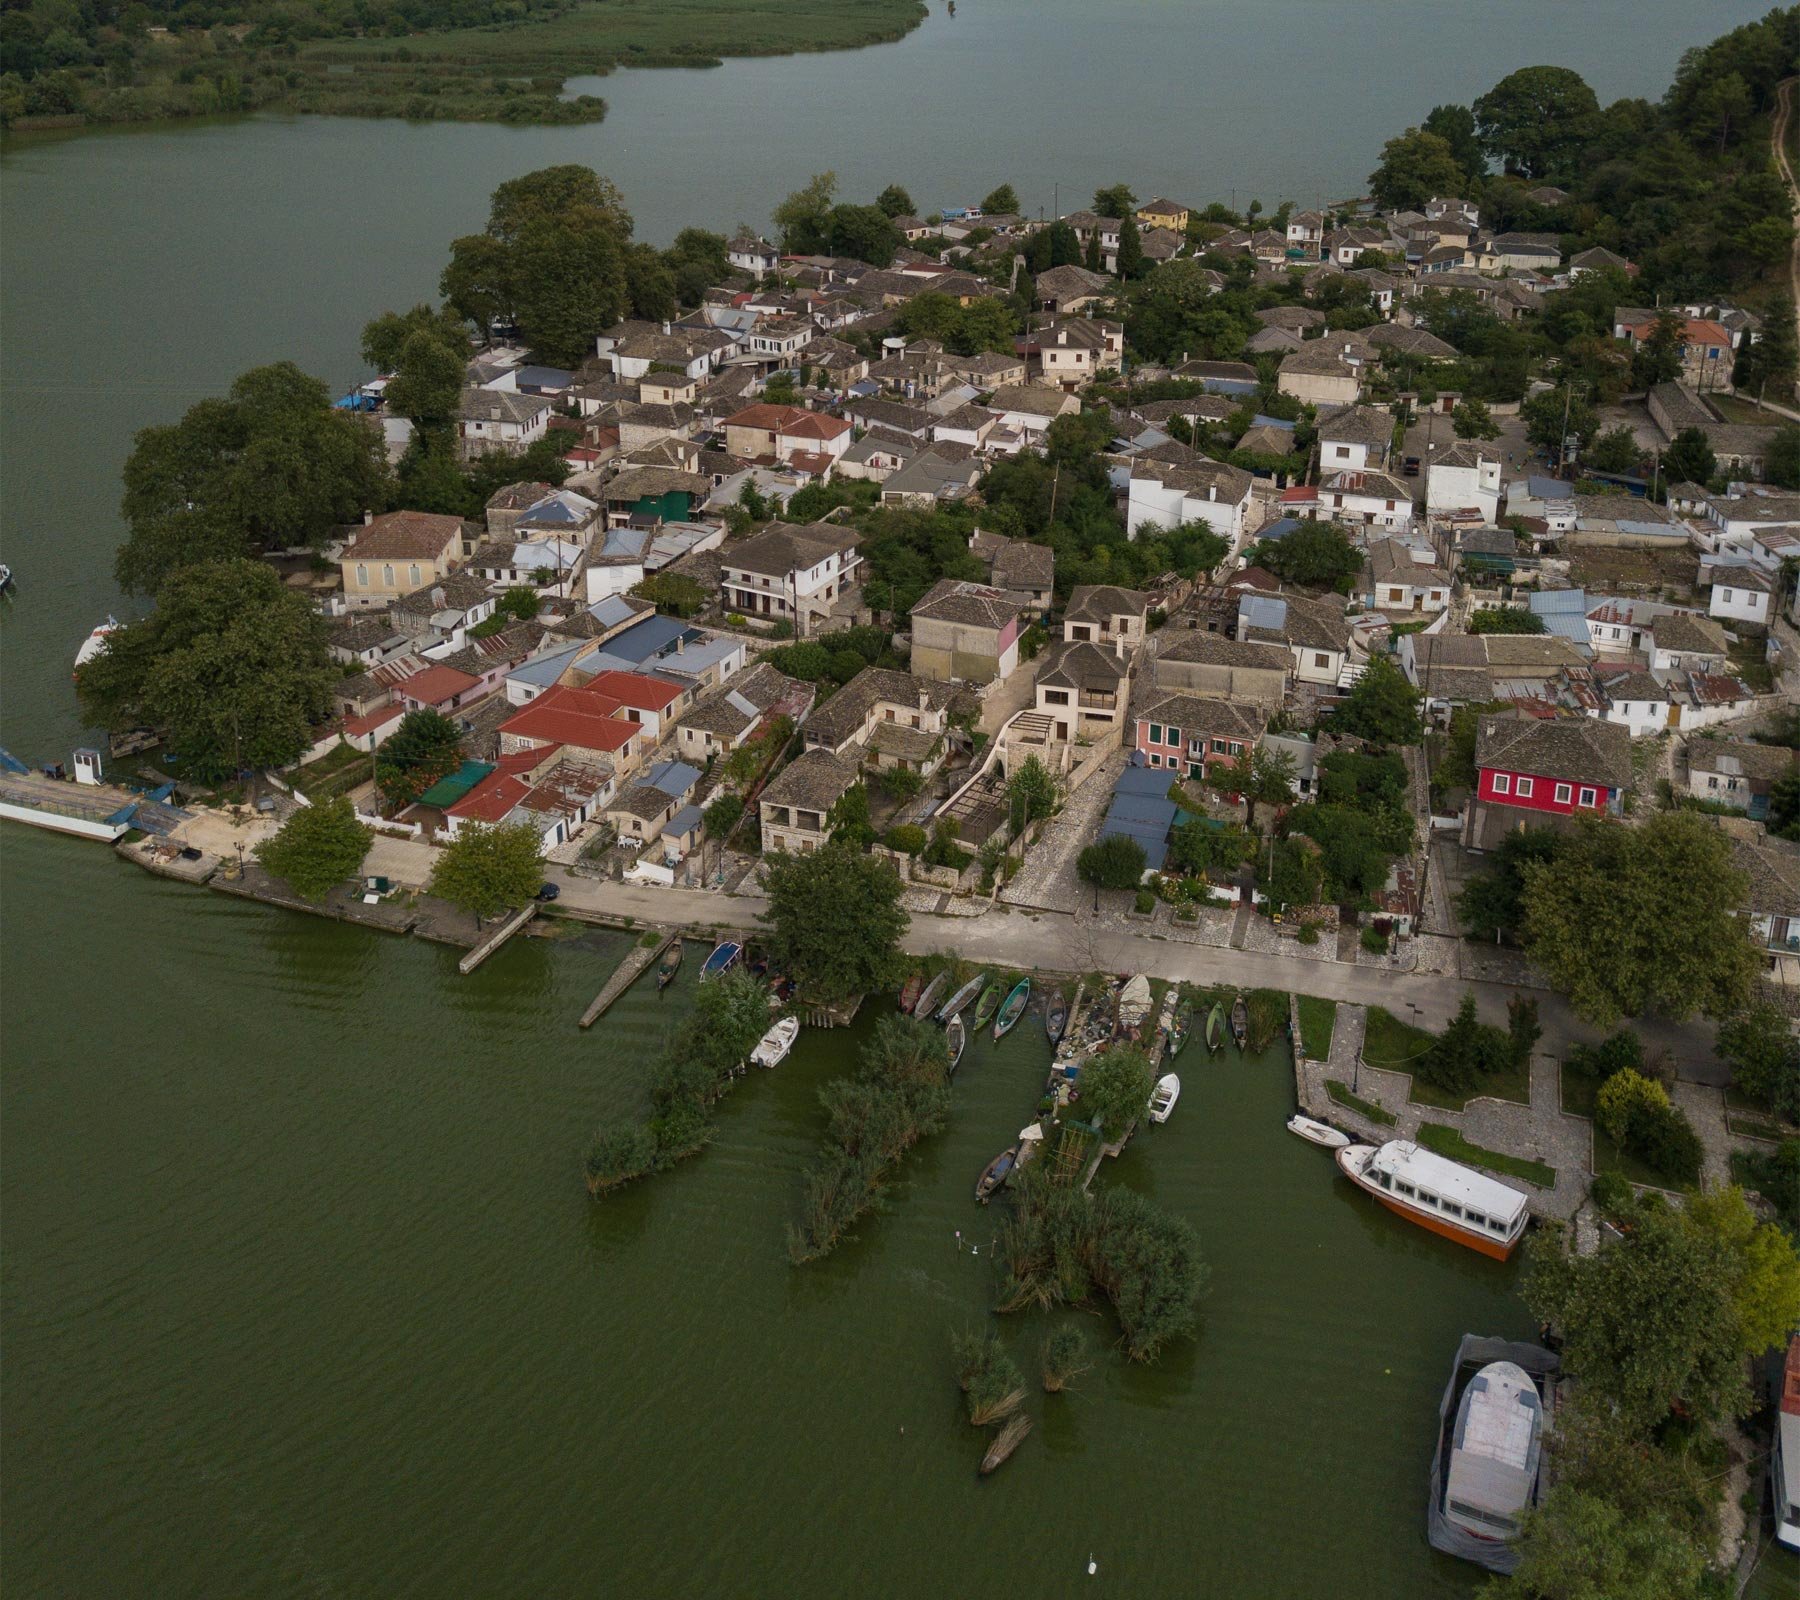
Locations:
{"points": [[1382, 705], [894, 201], [1628, 921], [384, 337], [318, 847], [864, 233], [1689, 458], [1115, 200], [425, 747], [803, 219], [1765, 1058], [490, 870], [1536, 121], [231, 666], [1455, 125], [1492, 901], [834, 921], [1003, 201], [1316, 554], [272, 465], [1578, 1545], [1415, 167], [1115, 1090], [553, 258]]}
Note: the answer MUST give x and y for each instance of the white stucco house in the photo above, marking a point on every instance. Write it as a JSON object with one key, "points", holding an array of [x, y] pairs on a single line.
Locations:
{"points": [[1466, 477]]}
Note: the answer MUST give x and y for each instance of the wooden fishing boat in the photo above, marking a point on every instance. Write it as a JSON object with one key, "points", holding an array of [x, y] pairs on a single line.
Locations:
{"points": [[725, 955], [955, 1004], [1056, 1016], [1319, 1133], [1439, 1194], [1165, 1018], [1215, 1027], [1181, 1026], [1163, 1098], [987, 1004], [928, 997], [1240, 1023], [995, 1173], [669, 966], [1012, 1009], [909, 996], [955, 1037], [772, 1048]]}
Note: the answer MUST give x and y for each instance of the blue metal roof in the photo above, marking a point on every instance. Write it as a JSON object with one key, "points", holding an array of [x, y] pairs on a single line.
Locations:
{"points": [[674, 778], [1279, 530], [686, 820], [650, 636], [1262, 611], [1548, 488], [542, 671], [613, 610], [544, 377]]}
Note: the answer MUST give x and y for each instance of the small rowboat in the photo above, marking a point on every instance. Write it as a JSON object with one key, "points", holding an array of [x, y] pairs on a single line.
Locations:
{"points": [[1240, 1023], [995, 1173], [1162, 1100], [1013, 1009], [1215, 1027], [922, 1005], [772, 1048], [1181, 1026], [909, 996], [954, 1005], [669, 966], [1317, 1133], [987, 1004], [955, 1037], [725, 955], [1056, 1016]]}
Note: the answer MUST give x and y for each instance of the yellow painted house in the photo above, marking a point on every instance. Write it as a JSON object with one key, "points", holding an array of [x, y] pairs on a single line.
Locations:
{"points": [[1160, 213]]}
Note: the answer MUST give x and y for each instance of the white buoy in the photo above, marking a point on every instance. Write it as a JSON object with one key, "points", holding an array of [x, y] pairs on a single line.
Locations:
{"points": [[1093, 1565]]}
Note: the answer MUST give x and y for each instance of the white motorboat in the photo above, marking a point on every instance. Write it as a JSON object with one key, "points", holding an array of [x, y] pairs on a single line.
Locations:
{"points": [[1162, 1100], [772, 1048], [1318, 1133], [95, 643], [1438, 1194], [1494, 1452]]}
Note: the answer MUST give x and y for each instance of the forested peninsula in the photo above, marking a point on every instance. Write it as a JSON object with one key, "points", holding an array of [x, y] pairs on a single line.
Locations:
{"points": [[68, 64]]}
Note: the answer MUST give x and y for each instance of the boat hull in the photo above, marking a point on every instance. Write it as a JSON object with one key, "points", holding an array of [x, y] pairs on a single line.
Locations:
{"points": [[1494, 1249]]}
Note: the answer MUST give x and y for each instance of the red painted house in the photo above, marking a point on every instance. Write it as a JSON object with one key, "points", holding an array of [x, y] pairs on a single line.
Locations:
{"points": [[1191, 736], [1536, 773]]}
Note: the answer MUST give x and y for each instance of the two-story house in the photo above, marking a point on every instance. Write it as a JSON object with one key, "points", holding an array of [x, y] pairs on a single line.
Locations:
{"points": [[1736, 773], [1213, 667], [1172, 484], [1400, 577], [1367, 499], [1536, 773], [587, 722], [886, 719], [1101, 613], [496, 422], [396, 553], [1019, 565], [752, 255], [795, 809], [785, 433], [1465, 477], [968, 631], [789, 574], [1199, 738], [1313, 631]]}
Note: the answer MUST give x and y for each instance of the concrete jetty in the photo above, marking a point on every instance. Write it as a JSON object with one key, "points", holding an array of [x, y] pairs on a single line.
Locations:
{"points": [[639, 957], [494, 940]]}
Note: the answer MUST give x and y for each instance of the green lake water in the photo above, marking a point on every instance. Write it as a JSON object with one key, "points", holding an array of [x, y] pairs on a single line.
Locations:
{"points": [[304, 1296]]}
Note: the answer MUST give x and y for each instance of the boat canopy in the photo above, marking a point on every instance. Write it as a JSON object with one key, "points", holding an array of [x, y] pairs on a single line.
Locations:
{"points": [[1494, 1451], [1448, 1180]]}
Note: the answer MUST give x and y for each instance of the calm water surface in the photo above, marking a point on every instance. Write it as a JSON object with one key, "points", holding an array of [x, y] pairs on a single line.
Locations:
{"points": [[302, 1294]]}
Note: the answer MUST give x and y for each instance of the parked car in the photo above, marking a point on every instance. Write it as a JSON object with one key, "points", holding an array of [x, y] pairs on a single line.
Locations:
{"points": [[1409, 467], [549, 891]]}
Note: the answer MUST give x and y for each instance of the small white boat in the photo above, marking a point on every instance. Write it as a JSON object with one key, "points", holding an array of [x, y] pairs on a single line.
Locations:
{"points": [[1163, 1098], [1494, 1453], [95, 643], [1317, 1133], [774, 1045]]}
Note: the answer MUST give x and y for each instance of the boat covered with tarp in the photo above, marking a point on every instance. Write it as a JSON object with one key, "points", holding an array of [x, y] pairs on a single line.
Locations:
{"points": [[1488, 1469], [1134, 1005]]}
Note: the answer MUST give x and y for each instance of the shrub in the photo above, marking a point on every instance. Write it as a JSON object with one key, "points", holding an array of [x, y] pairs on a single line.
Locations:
{"points": [[1114, 863], [1598, 1062], [1664, 1140], [1621, 1099], [1115, 1090], [1465, 1052], [1611, 1192], [1064, 1357], [1145, 902], [987, 1375], [721, 815], [1309, 933], [1374, 940], [907, 837]]}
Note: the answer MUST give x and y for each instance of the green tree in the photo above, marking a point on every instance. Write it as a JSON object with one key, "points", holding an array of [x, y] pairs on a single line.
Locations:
{"points": [[1558, 415], [894, 201], [1116, 862], [1090, 252], [834, 921], [270, 466], [427, 383], [488, 870], [1002, 202], [1030, 793], [1115, 1090], [1689, 458], [425, 747], [384, 337], [1455, 125], [864, 233], [1615, 450], [803, 218], [721, 816], [1382, 705], [1504, 619], [1629, 921], [1131, 248], [1116, 200], [1536, 121], [1759, 1043], [1465, 1052], [850, 818], [696, 261], [1765, 1287], [1198, 846], [1296, 877], [231, 666], [1316, 554], [1766, 366], [1415, 167], [1657, 359], [1472, 420], [1782, 461], [318, 847], [1579, 1546], [1269, 781]]}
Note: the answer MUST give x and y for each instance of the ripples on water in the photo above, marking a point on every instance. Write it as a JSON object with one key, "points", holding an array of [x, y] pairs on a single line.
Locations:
{"points": [[304, 1296]]}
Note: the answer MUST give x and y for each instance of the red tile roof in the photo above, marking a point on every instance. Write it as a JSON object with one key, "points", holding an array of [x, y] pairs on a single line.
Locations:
{"points": [[367, 723], [638, 690], [502, 789], [576, 716], [435, 685], [794, 421]]}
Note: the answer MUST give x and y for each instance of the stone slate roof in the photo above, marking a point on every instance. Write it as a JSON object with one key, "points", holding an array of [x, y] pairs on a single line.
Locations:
{"points": [[403, 536], [1080, 665], [1215, 650], [1223, 719], [1761, 763], [1683, 631], [500, 405], [1101, 602], [849, 708], [779, 549], [1019, 564], [1355, 424], [973, 604], [1569, 749], [815, 780], [1771, 865]]}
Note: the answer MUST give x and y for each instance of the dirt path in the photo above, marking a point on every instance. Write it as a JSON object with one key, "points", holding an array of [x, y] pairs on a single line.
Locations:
{"points": [[1778, 135]]}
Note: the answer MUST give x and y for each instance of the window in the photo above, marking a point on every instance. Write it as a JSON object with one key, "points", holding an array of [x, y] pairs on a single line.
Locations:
{"points": [[362, 576], [1475, 1218], [1173, 738], [415, 574], [1725, 595], [1341, 451], [1218, 747], [1502, 783], [1495, 1226], [387, 575], [1525, 787], [1403, 1188], [1320, 659], [1452, 1209], [1587, 797], [1156, 733], [1712, 783], [1563, 791]]}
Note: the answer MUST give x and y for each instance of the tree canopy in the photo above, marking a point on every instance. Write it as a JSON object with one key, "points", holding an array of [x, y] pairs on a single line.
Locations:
{"points": [[1415, 167], [1536, 122], [318, 847], [426, 746], [488, 870], [1316, 554], [1382, 705], [231, 666], [834, 921]]}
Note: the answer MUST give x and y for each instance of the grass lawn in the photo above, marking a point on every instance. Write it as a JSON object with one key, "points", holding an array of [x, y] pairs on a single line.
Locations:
{"points": [[1317, 1018], [1340, 1092], [1755, 1128], [335, 773], [1513, 1084], [1388, 1042], [1450, 1142], [1578, 1096]]}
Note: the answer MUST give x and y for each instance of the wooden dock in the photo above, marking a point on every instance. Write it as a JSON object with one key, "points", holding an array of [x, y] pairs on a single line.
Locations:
{"points": [[494, 940], [628, 971]]}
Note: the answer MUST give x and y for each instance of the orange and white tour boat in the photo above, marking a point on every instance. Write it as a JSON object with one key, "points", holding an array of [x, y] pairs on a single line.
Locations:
{"points": [[1443, 1195]]}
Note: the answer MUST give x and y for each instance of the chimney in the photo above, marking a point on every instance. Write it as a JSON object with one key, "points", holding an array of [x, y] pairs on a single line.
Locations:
{"points": [[667, 329], [368, 517]]}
